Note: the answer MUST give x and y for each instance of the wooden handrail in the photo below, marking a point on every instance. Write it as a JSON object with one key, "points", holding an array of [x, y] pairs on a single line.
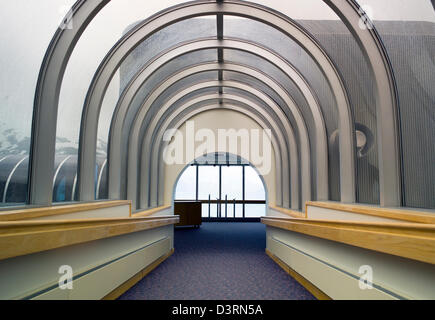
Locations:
{"points": [[24, 214], [290, 212], [392, 213], [409, 240], [25, 237], [150, 212]]}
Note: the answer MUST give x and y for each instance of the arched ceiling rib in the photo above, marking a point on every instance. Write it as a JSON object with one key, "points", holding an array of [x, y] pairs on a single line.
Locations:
{"points": [[280, 147], [289, 134], [52, 70], [142, 149], [231, 102], [386, 98], [114, 150], [170, 81], [145, 29], [134, 136], [142, 75]]}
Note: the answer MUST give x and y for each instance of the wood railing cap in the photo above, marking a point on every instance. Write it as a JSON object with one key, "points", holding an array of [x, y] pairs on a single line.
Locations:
{"points": [[289, 212], [25, 237], [400, 225], [29, 213], [398, 213], [149, 212], [72, 222], [408, 240]]}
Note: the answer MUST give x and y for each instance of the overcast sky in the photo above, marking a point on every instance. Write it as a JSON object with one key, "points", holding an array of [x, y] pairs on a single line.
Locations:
{"points": [[28, 25]]}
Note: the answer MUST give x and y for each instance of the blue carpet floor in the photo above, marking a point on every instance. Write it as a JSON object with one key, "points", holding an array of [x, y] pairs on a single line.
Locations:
{"points": [[219, 261]]}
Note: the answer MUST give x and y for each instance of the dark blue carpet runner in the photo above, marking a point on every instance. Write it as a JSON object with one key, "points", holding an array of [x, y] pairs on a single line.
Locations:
{"points": [[219, 261]]}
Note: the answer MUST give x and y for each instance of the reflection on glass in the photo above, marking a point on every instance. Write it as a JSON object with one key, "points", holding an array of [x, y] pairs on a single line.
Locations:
{"points": [[102, 191], [186, 187], [13, 179], [25, 39], [63, 181]]}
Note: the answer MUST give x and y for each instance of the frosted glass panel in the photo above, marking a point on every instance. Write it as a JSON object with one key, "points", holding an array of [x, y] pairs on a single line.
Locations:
{"points": [[407, 30], [26, 31]]}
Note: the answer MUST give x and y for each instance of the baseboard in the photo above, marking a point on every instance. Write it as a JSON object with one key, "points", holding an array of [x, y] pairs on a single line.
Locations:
{"points": [[116, 293], [316, 292], [222, 219]]}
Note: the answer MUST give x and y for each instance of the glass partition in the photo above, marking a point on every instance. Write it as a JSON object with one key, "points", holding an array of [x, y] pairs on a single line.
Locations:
{"points": [[254, 189], [232, 182], [208, 182], [27, 28], [99, 37], [227, 186], [331, 33], [186, 186], [407, 30]]}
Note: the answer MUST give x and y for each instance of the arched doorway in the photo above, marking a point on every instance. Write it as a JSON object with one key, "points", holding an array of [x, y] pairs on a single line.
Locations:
{"points": [[227, 187]]}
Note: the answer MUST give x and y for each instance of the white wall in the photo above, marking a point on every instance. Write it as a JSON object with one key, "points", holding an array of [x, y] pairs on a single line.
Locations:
{"points": [[122, 211], [314, 212], [275, 213], [214, 120], [38, 274], [334, 268]]}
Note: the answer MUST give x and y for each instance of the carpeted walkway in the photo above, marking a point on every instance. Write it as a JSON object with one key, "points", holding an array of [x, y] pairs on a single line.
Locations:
{"points": [[219, 261]]}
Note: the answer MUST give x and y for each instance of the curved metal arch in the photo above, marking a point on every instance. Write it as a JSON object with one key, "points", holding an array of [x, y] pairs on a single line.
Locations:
{"points": [[387, 118], [143, 30], [294, 160], [133, 141], [64, 41], [141, 76], [132, 173], [181, 115], [283, 156]]}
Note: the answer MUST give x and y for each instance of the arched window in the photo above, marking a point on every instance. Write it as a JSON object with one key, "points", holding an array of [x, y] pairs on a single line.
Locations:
{"points": [[227, 188]]}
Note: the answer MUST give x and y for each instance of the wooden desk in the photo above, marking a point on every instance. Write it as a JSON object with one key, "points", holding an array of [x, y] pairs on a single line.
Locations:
{"points": [[189, 212]]}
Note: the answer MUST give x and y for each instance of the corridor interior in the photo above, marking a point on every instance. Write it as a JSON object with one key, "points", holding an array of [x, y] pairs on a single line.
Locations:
{"points": [[219, 261], [298, 135]]}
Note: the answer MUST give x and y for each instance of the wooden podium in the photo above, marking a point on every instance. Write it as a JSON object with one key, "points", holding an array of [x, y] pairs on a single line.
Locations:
{"points": [[189, 212]]}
